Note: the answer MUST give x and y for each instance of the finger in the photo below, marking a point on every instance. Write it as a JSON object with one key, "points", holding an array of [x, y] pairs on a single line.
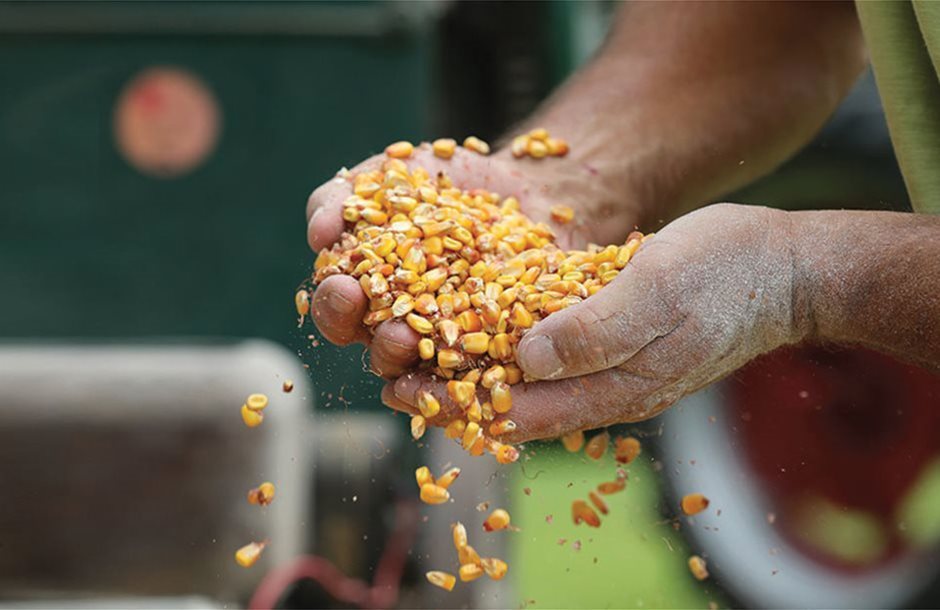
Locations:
{"points": [[390, 400], [548, 409], [338, 307], [601, 332], [325, 222], [393, 349]]}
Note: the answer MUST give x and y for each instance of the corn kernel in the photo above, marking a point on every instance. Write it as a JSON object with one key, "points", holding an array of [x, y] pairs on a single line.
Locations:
{"points": [[598, 502], [498, 520], [611, 487], [470, 572], [693, 504], [501, 347], [423, 476], [573, 441], [249, 554], [503, 426], [475, 343], [470, 435], [562, 214], [418, 426], [519, 146], [507, 454], [426, 348], [501, 397], [444, 147], [441, 579], [539, 133], [698, 567], [460, 535], [434, 494], [536, 149], [428, 405], [400, 150], [582, 513], [467, 554], [476, 145], [626, 449], [455, 429], [449, 359], [288, 386], [557, 147], [262, 495], [302, 302], [257, 402], [251, 418], [513, 374], [494, 568], [597, 446], [418, 324], [446, 479]]}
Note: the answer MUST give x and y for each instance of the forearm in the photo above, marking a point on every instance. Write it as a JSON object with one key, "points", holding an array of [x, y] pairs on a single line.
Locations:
{"points": [[687, 101], [869, 278]]}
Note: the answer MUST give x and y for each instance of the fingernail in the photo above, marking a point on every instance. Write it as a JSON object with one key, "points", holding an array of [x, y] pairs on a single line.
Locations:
{"points": [[339, 303], [539, 359]]}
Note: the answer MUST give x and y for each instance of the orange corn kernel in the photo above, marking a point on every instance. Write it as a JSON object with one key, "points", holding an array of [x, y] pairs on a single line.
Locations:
{"points": [[441, 579], [262, 495], [626, 449], [249, 554], [582, 513], [423, 476], [494, 568], [498, 519], [693, 504], [251, 418], [400, 150], [434, 494], [611, 487], [598, 503], [573, 441], [597, 446], [698, 567], [470, 571], [446, 479]]}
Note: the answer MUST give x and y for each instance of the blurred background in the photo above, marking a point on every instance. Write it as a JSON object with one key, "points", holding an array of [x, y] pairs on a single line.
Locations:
{"points": [[155, 164]]}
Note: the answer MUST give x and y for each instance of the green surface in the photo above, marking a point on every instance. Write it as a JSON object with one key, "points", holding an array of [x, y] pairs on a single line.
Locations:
{"points": [[634, 560]]}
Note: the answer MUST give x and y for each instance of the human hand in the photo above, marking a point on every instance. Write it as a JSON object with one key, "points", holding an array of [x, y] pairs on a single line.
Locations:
{"points": [[339, 303], [705, 295]]}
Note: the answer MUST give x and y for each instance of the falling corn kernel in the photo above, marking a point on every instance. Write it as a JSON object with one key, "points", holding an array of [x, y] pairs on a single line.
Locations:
{"points": [[597, 446], [428, 405], [418, 426], [460, 535], [626, 449], [698, 567], [470, 571], [257, 402], [455, 429], [288, 386], [562, 214], [494, 568], [251, 418], [400, 150], [611, 487], [476, 145], [446, 479], [467, 554], [498, 519], [500, 397], [598, 503], [249, 554], [262, 495], [470, 435], [507, 454], [434, 494], [423, 476], [582, 513], [693, 504], [442, 579], [444, 147], [573, 441], [302, 302]]}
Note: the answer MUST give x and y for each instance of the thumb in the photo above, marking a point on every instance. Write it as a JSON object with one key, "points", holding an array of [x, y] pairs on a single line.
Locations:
{"points": [[597, 334]]}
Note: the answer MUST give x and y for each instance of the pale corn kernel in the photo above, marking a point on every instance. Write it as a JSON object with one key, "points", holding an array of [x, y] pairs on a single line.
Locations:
{"points": [[426, 348], [501, 397], [521, 317], [626, 449], [475, 412], [469, 321], [403, 305], [470, 572], [467, 554], [375, 217], [367, 189], [513, 374], [460, 535], [626, 252], [503, 426], [557, 147], [447, 479], [498, 520], [507, 454], [351, 214], [562, 214], [611, 487], [449, 331], [262, 495], [519, 146], [418, 426], [694, 503], [257, 402], [426, 305], [470, 435], [494, 568], [598, 503], [539, 133], [501, 347], [423, 476], [698, 567], [400, 150], [476, 145], [434, 494], [573, 441], [441, 579], [428, 405], [302, 302], [249, 554], [492, 375], [597, 446], [444, 147], [582, 513], [251, 418], [455, 429], [536, 149], [487, 412], [475, 343], [449, 359], [418, 324]]}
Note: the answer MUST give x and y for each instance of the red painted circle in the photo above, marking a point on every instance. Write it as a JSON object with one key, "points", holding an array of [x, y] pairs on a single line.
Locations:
{"points": [[166, 122]]}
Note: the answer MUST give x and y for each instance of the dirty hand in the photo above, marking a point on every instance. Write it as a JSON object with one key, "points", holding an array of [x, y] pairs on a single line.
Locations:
{"points": [[339, 304], [709, 292]]}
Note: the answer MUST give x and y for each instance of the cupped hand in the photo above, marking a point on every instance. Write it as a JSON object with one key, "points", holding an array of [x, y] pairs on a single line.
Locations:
{"points": [[702, 297], [339, 304]]}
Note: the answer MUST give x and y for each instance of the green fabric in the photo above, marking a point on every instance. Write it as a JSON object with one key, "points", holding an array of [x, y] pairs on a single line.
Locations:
{"points": [[903, 40]]}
